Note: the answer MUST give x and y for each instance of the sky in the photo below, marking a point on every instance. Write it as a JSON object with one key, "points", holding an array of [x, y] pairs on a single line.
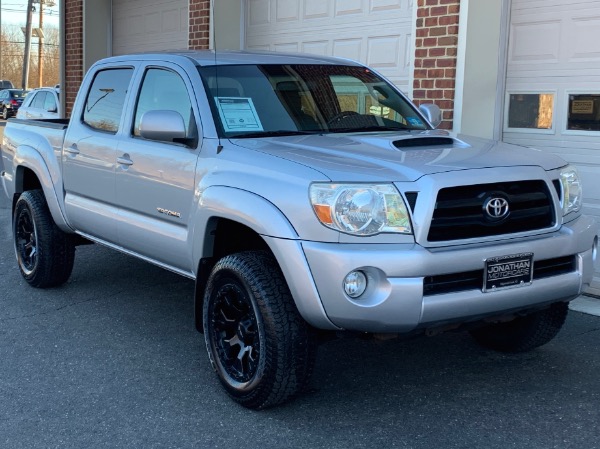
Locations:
{"points": [[14, 12]]}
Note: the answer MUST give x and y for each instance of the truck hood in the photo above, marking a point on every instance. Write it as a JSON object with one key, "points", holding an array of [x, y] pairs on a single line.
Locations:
{"points": [[397, 157]]}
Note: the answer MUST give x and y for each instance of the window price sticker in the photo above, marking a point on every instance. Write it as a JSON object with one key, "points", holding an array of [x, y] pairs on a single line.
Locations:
{"points": [[238, 114]]}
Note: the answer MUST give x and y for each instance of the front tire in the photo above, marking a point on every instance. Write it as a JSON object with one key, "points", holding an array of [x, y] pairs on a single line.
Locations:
{"points": [[45, 254], [523, 333], [258, 344]]}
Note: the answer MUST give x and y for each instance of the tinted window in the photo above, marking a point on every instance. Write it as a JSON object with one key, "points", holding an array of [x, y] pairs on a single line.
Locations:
{"points": [[50, 102], [38, 100], [164, 90], [104, 104], [260, 100]]}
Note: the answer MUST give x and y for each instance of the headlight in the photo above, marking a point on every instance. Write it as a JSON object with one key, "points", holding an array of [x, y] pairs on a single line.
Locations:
{"points": [[571, 190], [360, 209]]}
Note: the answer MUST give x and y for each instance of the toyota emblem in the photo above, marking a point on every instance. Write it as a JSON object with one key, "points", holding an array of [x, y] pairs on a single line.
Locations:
{"points": [[496, 208]]}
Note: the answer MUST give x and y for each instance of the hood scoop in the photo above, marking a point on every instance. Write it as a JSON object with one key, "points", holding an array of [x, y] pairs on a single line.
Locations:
{"points": [[423, 142]]}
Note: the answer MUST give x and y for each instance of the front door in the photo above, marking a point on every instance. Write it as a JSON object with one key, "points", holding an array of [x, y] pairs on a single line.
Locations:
{"points": [[154, 179]]}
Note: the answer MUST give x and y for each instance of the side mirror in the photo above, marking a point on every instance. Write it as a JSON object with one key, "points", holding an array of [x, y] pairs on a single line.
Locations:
{"points": [[52, 109], [163, 125], [432, 113]]}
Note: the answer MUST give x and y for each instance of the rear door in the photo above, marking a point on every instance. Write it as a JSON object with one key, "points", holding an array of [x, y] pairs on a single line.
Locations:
{"points": [[89, 154], [155, 180]]}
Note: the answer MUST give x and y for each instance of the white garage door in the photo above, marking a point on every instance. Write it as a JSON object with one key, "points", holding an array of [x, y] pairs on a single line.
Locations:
{"points": [[553, 86], [375, 32], [148, 25]]}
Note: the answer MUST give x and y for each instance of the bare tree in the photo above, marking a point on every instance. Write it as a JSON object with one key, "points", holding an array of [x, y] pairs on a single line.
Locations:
{"points": [[13, 48]]}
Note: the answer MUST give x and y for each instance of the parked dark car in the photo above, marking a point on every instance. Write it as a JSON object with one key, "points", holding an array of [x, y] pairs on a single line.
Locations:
{"points": [[10, 101], [6, 84]]}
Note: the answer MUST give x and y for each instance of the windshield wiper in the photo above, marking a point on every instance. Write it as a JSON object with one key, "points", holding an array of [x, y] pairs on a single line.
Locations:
{"points": [[281, 132], [370, 128]]}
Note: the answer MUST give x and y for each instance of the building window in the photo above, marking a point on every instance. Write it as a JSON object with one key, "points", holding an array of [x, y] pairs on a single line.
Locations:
{"points": [[584, 112], [530, 110]]}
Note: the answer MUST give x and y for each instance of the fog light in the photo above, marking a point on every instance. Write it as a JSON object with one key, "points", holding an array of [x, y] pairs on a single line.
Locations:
{"points": [[355, 284]]}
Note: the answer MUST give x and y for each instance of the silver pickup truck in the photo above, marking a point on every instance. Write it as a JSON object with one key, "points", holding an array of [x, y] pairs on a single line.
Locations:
{"points": [[305, 195]]}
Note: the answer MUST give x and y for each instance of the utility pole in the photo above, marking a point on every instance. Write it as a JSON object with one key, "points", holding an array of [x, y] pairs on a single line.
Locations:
{"points": [[27, 45], [40, 45], [0, 39]]}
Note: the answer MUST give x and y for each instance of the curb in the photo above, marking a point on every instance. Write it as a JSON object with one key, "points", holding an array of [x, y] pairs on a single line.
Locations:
{"points": [[586, 304]]}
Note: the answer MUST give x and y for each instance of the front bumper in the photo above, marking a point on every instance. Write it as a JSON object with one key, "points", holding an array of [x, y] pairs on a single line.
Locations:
{"points": [[395, 302]]}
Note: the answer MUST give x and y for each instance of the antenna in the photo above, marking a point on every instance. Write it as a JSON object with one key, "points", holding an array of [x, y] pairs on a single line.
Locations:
{"points": [[214, 39]]}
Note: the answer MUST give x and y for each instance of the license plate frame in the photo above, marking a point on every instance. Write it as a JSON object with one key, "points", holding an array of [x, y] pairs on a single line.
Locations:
{"points": [[513, 270]]}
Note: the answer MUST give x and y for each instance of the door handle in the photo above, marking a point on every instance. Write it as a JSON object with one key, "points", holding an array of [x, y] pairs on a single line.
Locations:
{"points": [[124, 160], [72, 149]]}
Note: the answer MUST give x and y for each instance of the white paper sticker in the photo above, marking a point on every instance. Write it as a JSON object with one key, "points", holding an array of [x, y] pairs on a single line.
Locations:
{"points": [[238, 114]]}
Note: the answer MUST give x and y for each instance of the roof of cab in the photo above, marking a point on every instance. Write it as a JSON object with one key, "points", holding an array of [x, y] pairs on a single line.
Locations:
{"points": [[229, 57]]}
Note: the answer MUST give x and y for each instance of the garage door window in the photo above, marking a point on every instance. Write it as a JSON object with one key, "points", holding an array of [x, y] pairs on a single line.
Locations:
{"points": [[531, 111], [584, 112]]}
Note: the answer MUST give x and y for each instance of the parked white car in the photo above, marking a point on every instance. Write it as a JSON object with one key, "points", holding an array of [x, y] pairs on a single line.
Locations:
{"points": [[40, 104]]}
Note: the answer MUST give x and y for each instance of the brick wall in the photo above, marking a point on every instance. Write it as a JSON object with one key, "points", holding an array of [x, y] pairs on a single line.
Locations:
{"points": [[199, 11], [199, 24], [435, 55], [73, 51]]}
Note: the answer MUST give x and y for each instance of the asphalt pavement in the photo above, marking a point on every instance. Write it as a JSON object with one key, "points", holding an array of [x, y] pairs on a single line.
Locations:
{"points": [[112, 360]]}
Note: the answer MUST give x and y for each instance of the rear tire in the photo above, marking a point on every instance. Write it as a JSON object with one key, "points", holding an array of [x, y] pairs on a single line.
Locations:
{"points": [[258, 344], [45, 254], [5, 113], [523, 333]]}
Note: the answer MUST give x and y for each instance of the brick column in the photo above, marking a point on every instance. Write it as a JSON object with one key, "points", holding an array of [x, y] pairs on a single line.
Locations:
{"points": [[199, 27], [73, 35], [435, 55]]}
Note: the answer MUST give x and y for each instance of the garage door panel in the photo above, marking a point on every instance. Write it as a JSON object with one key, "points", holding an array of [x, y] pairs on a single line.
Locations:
{"points": [[375, 32], [535, 41], [553, 48], [316, 48], [316, 9], [287, 10], [345, 7], [140, 25], [585, 38]]}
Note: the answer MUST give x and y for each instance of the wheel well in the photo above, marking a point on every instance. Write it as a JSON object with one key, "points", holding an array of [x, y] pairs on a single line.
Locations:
{"points": [[25, 179], [224, 237]]}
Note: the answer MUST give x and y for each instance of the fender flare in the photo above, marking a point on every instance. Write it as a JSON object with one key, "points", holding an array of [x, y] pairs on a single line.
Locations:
{"points": [[49, 177], [241, 206]]}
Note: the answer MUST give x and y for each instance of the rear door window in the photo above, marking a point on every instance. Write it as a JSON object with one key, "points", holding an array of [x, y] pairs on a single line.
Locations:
{"points": [[103, 106]]}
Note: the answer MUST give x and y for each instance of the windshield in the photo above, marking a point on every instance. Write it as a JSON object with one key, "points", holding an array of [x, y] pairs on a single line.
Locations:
{"points": [[267, 100]]}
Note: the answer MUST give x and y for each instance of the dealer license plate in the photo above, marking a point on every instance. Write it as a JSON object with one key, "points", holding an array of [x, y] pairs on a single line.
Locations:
{"points": [[508, 271]]}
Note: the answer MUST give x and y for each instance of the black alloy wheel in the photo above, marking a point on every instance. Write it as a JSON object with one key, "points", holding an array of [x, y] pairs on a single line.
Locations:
{"points": [[45, 254], [261, 349], [26, 241], [235, 333]]}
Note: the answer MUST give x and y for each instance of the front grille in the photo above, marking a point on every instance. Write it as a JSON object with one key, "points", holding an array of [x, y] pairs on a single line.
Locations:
{"points": [[471, 280], [460, 212]]}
